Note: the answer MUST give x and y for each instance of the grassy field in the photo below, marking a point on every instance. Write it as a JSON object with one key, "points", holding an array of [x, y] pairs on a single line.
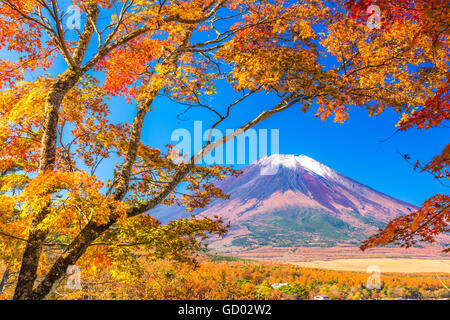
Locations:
{"points": [[386, 265]]}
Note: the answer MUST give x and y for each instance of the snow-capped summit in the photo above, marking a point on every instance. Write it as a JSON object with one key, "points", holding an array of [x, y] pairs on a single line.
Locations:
{"points": [[292, 162]]}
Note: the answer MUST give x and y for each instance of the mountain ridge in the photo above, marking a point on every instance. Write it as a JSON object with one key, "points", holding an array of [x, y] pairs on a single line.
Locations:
{"points": [[290, 200]]}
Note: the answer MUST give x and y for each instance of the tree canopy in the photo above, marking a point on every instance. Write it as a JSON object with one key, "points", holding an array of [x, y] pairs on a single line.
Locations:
{"points": [[54, 210], [433, 19]]}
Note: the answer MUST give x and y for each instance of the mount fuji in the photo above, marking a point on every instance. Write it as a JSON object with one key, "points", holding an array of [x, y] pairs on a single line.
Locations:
{"points": [[288, 200]]}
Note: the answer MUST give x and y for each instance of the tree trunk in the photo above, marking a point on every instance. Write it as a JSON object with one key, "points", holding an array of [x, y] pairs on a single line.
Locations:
{"points": [[55, 96], [4, 280], [33, 250], [69, 257], [36, 236], [89, 233]]}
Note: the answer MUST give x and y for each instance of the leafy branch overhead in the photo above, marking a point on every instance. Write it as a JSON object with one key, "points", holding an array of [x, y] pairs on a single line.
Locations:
{"points": [[55, 122]]}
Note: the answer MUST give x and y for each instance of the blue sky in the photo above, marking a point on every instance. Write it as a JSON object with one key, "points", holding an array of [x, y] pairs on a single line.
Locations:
{"points": [[354, 148], [357, 148]]}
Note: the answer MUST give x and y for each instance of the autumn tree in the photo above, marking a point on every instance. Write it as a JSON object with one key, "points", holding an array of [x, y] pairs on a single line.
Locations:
{"points": [[432, 18], [55, 212]]}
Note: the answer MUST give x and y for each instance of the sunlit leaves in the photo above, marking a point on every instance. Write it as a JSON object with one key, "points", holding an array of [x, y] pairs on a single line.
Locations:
{"points": [[309, 52], [426, 225], [419, 32]]}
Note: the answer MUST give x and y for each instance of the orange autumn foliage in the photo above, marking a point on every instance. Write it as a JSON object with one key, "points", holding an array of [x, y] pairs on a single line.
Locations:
{"points": [[249, 280], [55, 211], [432, 17]]}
